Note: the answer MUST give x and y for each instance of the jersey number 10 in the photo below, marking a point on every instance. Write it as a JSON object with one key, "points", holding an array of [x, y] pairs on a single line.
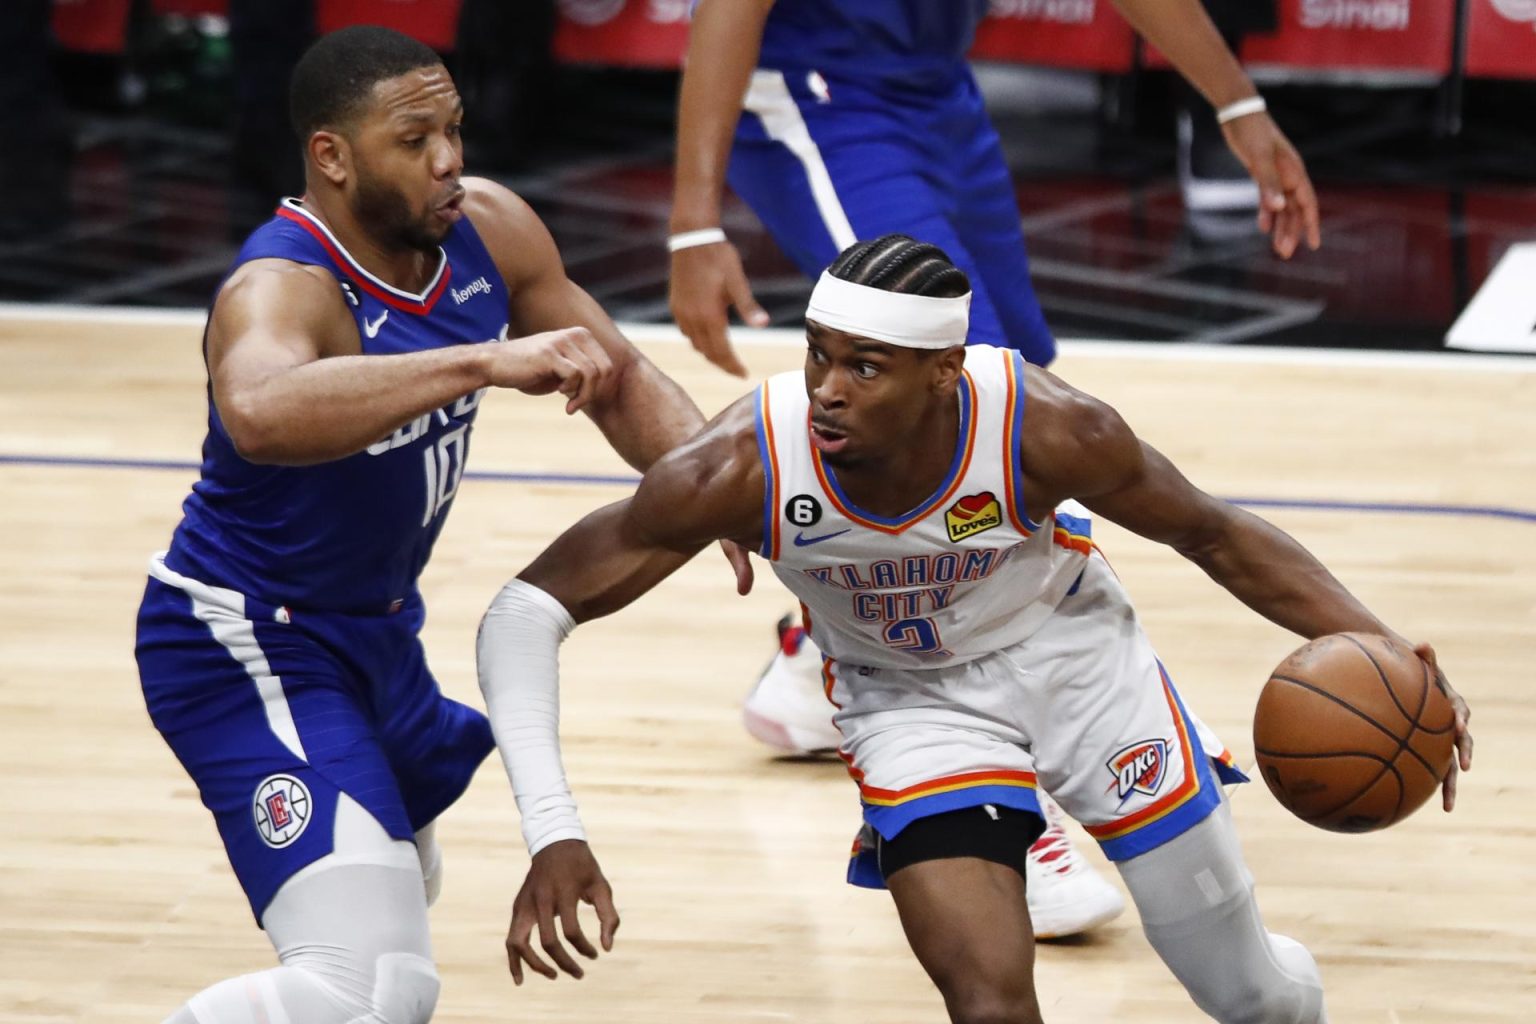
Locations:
{"points": [[444, 463]]}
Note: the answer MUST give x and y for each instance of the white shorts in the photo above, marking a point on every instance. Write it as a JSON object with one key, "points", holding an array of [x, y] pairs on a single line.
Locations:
{"points": [[1083, 707]]}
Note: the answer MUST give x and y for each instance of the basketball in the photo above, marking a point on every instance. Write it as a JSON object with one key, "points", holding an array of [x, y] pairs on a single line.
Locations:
{"points": [[1353, 733]]}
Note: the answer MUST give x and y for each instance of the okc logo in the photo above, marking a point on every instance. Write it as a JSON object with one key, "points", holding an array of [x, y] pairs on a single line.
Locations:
{"points": [[1516, 10], [282, 808], [1139, 768]]}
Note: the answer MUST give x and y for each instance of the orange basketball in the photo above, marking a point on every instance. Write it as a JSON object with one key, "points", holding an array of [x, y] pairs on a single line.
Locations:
{"points": [[1352, 732]]}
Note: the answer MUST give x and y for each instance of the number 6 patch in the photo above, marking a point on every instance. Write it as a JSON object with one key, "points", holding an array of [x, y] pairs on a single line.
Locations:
{"points": [[803, 510]]}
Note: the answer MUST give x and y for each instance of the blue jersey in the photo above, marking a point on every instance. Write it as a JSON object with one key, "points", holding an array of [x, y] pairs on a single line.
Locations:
{"points": [[350, 535], [902, 42]]}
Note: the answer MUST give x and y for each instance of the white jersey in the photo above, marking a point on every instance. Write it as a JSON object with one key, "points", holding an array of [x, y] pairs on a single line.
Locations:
{"points": [[964, 574]]}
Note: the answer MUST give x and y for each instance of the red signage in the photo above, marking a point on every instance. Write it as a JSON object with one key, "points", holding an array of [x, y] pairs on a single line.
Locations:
{"points": [[616, 33], [91, 26], [1085, 34], [434, 22], [1501, 38], [1414, 36], [654, 33]]}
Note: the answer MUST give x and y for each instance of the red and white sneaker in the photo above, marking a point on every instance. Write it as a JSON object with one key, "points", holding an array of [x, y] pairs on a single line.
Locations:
{"points": [[1066, 896], [788, 708]]}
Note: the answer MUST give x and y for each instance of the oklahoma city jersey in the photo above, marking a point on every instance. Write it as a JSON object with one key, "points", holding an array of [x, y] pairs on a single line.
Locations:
{"points": [[350, 535], [964, 574]]}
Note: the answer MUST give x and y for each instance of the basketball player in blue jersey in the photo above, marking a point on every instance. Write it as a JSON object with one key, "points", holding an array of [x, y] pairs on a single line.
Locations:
{"points": [[918, 497], [348, 350], [844, 119]]}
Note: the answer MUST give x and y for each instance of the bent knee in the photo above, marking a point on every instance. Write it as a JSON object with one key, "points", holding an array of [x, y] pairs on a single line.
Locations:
{"points": [[1278, 1003], [400, 988], [405, 989]]}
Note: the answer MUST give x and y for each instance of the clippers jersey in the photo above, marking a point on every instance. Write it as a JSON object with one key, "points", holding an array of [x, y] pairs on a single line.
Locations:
{"points": [[350, 535], [897, 41], [963, 575]]}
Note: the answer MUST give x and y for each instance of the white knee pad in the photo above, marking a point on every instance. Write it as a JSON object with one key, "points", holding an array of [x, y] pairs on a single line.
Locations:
{"points": [[1197, 907], [351, 933], [404, 990], [1238, 973]]}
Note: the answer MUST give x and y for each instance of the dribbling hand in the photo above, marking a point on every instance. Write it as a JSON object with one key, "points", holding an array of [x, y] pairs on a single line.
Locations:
{"points": [[706, 280], [1463, 760], [562, 875], [570, 361]]}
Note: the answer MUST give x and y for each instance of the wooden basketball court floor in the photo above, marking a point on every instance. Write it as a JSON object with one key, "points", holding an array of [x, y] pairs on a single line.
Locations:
{"points": [[1413, 478]]}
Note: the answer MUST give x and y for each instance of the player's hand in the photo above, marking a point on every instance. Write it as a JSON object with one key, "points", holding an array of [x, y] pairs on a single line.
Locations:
{"points": [[1463, 760], [741, 563], [706, 280], [570, 361], [562, 874], [1287, 204]]}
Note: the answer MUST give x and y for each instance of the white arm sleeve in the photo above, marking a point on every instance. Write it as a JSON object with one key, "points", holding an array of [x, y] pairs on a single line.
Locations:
{"points": [[518, 653]]}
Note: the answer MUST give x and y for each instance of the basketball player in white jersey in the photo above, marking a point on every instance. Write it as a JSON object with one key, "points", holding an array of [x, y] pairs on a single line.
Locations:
{"points": [[917, 496], [843, 119]]}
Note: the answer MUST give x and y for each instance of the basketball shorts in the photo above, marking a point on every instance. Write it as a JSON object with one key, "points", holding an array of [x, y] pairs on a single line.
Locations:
{"points": [[274, 713], [1082, 707], [826, 161]]}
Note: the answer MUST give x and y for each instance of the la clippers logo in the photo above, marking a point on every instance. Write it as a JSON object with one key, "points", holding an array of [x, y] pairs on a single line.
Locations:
{"points": [[282, 809], [1517, 10], [1139, 768]]}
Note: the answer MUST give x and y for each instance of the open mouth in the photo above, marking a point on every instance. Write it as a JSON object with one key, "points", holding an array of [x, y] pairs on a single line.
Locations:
{"points": [[450, 209], [827, 438]]}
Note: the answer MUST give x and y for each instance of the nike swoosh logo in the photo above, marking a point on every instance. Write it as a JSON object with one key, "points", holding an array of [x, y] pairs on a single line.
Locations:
{"points": [[371, 327], [801, 540]]}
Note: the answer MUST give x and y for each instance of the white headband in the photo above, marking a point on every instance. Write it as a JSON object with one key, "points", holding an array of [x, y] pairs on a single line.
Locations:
{"points": [[911, 321]]}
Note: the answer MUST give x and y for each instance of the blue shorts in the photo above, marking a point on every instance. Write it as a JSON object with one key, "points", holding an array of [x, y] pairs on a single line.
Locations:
{"points": [[274, 713], [825, 162]]}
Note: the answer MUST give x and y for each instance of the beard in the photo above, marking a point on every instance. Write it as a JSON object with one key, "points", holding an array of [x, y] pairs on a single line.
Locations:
{"points": [[385, 212]]}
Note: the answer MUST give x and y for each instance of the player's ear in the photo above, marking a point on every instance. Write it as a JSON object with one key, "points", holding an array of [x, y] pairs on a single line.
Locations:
{"points": [[948, 364], [331, 154]]}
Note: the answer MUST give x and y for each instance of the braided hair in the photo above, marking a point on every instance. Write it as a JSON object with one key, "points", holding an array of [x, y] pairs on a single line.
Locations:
{"points": [[899, 263]]}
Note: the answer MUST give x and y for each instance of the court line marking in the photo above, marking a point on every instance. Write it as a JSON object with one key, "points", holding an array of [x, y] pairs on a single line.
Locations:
{"points": [[788, 337], [629, 480]]}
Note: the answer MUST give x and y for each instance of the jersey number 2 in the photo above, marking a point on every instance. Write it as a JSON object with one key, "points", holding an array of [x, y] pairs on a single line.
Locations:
{"points": [[920, 636]]}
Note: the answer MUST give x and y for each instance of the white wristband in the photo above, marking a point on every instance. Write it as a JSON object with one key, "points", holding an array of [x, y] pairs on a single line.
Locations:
{"points": [[518, 655], [1241, 108], [694, 239]]}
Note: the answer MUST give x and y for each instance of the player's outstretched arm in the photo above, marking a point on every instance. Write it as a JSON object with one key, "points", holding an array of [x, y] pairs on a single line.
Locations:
{"points": [[292, 387], [1183, 32], [1081, 448], [640, 410], [708, 489], [724, 43]]}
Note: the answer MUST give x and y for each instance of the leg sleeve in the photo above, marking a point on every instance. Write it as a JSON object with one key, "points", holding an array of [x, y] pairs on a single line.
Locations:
{"points": [[1195, 896], [351, 936]]}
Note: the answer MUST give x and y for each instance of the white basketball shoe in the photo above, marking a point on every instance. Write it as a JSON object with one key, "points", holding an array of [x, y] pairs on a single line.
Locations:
{"points": [[1066, 896], [789, 711]]}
